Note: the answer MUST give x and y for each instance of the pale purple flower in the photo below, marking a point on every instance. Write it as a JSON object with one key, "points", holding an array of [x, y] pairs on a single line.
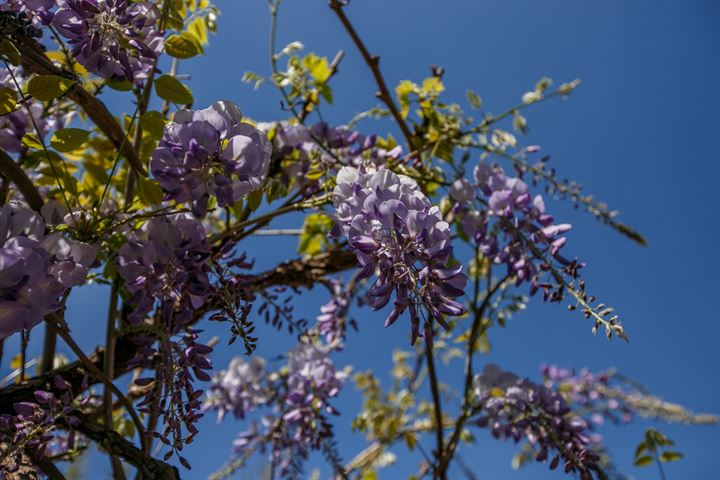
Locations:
{"points": [[519, 409], [401, 238], [210, 153], [166, 262], [112, 38], [38, 12], [35, 269]]}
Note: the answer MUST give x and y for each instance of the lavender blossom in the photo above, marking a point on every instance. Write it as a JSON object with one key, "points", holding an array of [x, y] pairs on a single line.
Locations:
{"points": [[33, 426], [514, 229], [332, 322], [166, 262], [35, 269], [112, 38], [514, 408], [210, 152], [298, 397], [398, 235]]}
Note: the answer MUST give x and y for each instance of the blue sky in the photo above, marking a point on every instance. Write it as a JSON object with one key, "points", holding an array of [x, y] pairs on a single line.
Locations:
{"points": [[640, 133]]}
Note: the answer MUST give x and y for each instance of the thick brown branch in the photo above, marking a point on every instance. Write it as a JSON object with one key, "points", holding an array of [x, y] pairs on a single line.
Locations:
{"points": [[15, 174], [294, 273], [115, 444], [35, 61]]}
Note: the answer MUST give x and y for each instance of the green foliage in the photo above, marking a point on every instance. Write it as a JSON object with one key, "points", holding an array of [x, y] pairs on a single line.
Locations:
{"points": [[313, 240], [170, 89], [183, 45], [8, 100], [48, 87], [69, 139], [653, 449]]}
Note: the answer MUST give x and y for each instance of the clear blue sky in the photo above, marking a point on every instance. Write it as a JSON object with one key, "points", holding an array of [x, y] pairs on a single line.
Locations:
{"points": [[640, 133]]}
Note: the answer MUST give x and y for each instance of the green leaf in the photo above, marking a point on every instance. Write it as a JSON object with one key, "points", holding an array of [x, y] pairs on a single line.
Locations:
{"points": [[640, 449], [154, 123], [122, 86], [643, 461], [670, 456], [8, 100], [318, 67], [69, 139], [170, 89], [403, 91], [48, 87], [314, 237], [474, 100], [8, 49], [31, 141], [149, 191], [254, 199], [182, 45]]}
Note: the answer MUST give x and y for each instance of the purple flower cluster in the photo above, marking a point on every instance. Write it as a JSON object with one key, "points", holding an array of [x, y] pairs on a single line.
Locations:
{"points": [[399, 236], [36, 268], [112, 38], [514, 229], [171, 394], [38, 12], [332, 322], [514, 408], [167, 262], [321, 147], [32, 428], [16, 124], [297, 394], [210, 152]]}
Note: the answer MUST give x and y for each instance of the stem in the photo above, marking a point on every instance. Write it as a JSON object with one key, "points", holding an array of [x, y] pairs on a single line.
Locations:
{"points": [[437, 407], [47, 360], [61, 329], [373, 62], [475, 332]]}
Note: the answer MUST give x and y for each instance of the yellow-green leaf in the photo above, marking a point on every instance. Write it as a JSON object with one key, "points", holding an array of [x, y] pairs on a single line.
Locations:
{"points": [[170, 89], [643, 461], [31, 141], [9, 50], [182, 45], [48, 87], [8, 100], [671, 456], [69, 139], [121, 86], [154, 123]]}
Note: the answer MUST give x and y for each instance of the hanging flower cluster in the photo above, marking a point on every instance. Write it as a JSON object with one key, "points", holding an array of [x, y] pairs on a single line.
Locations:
{"points": [[16, 124], [297, 394], [33, 426], [333, 320], [516, 409], [210, 152], [165, 265], [514, 228], [399, 236], [36, 268], [166, 261], [112, 38]]}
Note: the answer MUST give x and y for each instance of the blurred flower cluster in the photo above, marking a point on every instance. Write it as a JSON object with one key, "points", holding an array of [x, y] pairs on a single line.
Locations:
{"points": [[297, 396], [516, 409]]}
